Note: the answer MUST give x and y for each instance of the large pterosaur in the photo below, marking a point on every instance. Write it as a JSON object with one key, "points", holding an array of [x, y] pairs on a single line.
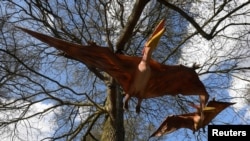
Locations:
{"points": [[140, 77], [191, 120]]}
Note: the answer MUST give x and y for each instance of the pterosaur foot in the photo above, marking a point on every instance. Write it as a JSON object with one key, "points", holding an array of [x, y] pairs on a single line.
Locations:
{"points": [[138, 109], [125, 106], [138, 106]]}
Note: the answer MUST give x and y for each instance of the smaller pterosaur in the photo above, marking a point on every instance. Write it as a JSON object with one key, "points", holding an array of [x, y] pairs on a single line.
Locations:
{"points": [[191, 120], [140, 77]]}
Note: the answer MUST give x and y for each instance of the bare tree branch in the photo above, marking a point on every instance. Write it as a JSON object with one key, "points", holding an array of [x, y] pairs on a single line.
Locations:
{"points": [[129, 27], [199, 29], [186, 16]]}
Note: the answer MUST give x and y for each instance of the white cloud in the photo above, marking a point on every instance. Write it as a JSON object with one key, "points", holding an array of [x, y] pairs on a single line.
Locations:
{"points": [[201, 51], [35, 128]]}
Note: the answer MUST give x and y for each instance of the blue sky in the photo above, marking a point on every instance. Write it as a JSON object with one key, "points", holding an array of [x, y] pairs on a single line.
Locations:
{"points": [[196, 50]]}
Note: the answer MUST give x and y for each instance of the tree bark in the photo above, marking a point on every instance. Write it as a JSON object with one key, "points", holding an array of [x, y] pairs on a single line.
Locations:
{"points": [[113, 129]]}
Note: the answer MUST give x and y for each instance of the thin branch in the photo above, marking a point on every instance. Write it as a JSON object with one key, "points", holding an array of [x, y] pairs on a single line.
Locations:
{"points": [[132, 20], [227, 15], [91, 126], [37, 73], [188, 18], [199, 29], [226, 70], [94, 118]]}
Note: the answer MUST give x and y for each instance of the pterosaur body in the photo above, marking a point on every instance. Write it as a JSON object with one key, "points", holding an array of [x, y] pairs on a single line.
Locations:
{"points": [[191, 120], [140, 77]]}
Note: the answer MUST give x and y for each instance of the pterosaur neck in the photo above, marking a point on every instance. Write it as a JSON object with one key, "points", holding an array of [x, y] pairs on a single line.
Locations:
{"points": [[147, 54]]}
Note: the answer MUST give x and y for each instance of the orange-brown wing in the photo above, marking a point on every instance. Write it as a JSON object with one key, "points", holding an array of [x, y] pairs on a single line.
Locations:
{"points": [[96, 56], [175, 122], [219, 107]]}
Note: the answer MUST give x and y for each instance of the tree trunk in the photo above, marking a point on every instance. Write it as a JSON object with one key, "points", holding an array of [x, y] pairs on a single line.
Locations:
{"points": [[113, 129]]}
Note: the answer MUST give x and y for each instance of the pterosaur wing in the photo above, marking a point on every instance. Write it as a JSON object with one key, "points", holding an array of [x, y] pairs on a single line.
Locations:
{"points": [[175, 122], [93, 55]]}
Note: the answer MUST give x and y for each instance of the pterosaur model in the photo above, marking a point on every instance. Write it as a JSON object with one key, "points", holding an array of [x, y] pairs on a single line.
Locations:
{"points": [[191, 120], [140, 77]]}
